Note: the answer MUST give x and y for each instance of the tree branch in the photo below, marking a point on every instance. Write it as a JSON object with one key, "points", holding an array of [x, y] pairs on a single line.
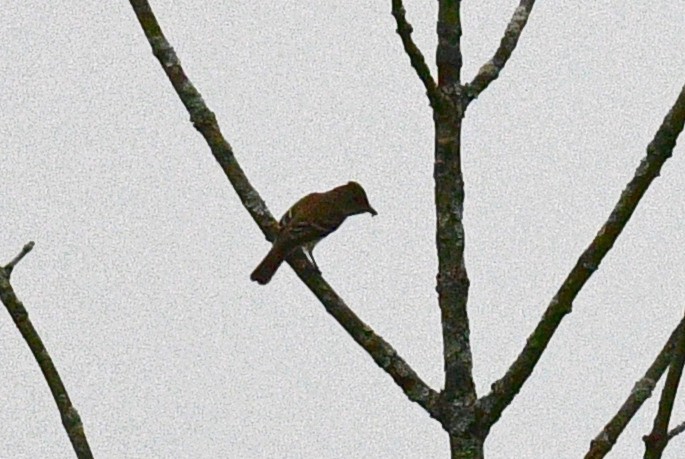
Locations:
{"points": [[642, 390], [658, 151], [404, 30], [491, 69], [24, 251], [205, 122], [656, 441], [380, 350], [448, 55], [203, 119], [459, 395], [680, 428], [70, 417]]}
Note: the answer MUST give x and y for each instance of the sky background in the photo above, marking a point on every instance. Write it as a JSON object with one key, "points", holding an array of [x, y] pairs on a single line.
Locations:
{"points": [[139, 280]]}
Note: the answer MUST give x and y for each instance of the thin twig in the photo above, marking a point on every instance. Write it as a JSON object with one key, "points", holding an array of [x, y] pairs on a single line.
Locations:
{"points": [[656, 441], [24, 251], [680, 428], [491, 69], [605, 440], [70, 417], [659, 150], [404, 30], [205, 122]]}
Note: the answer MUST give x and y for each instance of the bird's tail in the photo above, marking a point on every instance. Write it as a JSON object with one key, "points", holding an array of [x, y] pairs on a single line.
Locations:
{"points": [[268, 267]]}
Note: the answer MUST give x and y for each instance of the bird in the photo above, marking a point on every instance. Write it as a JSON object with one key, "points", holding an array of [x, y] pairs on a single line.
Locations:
{"points": [[309, 220]]}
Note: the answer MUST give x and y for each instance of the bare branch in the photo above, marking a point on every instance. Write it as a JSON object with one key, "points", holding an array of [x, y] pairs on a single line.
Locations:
{"points": [[380, 350], [459, 393], [205, 122], [656, 441], [491, 69], [658, 151], [70, 417], [642, 390], [448, 55], [404, 30], [24, 251], [203, 119], [680, 428]]}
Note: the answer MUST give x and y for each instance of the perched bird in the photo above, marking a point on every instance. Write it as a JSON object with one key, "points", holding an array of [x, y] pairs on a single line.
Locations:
{"points": [[308, 221]]}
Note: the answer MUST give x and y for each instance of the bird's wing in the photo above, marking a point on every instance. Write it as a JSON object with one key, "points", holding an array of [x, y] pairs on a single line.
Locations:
{"points": [[295, 208]]}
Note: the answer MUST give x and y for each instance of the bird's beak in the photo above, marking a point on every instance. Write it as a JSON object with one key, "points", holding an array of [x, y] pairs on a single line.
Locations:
{"points": [[372, 211]]}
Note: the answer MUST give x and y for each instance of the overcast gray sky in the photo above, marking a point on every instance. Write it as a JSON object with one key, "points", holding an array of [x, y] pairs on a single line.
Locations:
{"points": [[139, 281]]}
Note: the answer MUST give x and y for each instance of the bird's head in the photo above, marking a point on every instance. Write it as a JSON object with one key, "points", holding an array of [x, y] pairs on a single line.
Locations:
{"points": [[355, 199]]}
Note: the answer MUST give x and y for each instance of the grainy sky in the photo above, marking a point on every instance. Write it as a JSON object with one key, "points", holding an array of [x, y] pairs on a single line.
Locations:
{"points": [[139, 286]]}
